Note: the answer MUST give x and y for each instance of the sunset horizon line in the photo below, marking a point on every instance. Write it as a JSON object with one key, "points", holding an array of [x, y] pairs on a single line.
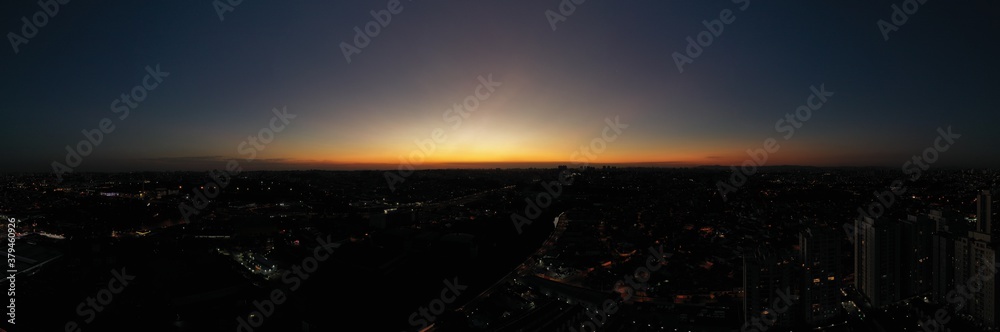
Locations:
{"points": [[281, 167]]}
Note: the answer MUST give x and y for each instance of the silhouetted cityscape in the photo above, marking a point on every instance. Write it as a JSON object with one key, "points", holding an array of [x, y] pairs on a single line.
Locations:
{"points": [[564, 249], [500, 166]]}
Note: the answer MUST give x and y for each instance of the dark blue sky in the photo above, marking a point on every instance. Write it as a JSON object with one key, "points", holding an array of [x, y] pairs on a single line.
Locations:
{"points": [[609, 58]]}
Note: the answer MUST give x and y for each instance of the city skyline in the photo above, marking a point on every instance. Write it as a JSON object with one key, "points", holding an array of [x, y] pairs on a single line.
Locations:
{"points": [[500, 166]]}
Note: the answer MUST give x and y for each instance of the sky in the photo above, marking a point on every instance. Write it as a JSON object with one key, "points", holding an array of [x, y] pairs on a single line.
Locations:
{"points": [[606, 60]]}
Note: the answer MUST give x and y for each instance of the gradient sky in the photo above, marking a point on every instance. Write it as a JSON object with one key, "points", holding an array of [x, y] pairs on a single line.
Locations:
{"points": [[610, 58]]}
